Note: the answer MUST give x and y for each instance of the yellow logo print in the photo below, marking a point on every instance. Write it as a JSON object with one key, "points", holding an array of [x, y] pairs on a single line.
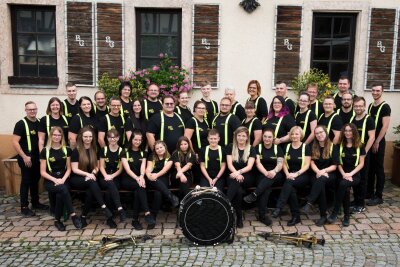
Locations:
{"points": [[52, 159], [107, 160], [170, 128], [33, 132], [151, 110]]}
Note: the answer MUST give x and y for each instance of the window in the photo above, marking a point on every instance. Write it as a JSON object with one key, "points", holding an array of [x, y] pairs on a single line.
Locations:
{"points": [[34, 45], [157, 31], [333, 44]]}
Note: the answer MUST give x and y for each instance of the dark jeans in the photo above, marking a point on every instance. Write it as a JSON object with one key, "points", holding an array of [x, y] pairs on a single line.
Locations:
{"points": [[92, 191], [29, 182], [112, 194], [318, 191], [289, 193], [360, 189], [343, 194], [263, 190], [140, 195], [62, 198], [235, 190], [161, 190], [376, 169]]}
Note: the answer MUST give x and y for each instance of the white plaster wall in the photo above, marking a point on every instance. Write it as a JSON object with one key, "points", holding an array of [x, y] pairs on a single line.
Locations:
{"points": [[246, 48]]}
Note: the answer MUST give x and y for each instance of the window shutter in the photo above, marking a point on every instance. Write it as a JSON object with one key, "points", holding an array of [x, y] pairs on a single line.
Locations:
{"points": [[287, 43], [397, 51], [109, 39], [380, 49], [206, 44], [80, 43]]}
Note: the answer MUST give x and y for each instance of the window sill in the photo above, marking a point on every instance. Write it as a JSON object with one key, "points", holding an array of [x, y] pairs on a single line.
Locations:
{"points": [[18, 81]]}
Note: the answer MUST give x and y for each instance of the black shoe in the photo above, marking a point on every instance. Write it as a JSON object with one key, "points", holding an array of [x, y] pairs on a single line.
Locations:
{"points": [[265, 220], [59, 225], [250, 198], [295, 220], [239, 222], [321, 221], [346, 221], [374, 201], [276, 213], [40, 206], [174, 200], [107, 212], [137, 225], [307, 208], [76, 221], [122, 215], [111, 223], [358, 209], [151, 223], [332, 218], [83, 221], [27, 212]]}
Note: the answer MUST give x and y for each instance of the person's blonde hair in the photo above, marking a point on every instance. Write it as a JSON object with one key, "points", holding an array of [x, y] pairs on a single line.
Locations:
{"points": [[235, 148], [49, 143], [296, 128]]}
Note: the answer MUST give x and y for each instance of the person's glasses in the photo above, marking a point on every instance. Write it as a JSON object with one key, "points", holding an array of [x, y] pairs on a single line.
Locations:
{"points": [[115, 106], [31, 109], [225, 105], [169, 104]]}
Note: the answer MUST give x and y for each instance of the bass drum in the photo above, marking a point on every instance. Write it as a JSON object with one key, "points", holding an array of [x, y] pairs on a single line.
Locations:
{"points": [[206, 217]]}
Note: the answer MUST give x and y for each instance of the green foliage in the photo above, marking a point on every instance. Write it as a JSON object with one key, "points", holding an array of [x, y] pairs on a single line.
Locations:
{"points": [[109, 85], [325, 88], [397, 132]]}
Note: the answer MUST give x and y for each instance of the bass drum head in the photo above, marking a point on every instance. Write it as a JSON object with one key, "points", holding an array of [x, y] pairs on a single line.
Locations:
{"points": [[207, 218]]}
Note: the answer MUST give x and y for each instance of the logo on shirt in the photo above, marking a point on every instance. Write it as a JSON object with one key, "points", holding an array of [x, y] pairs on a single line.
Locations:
{"points": [[68, 115], [106, 160], [170, 128], [151, 110], [33, 132], [52, 159], [130, 160]]}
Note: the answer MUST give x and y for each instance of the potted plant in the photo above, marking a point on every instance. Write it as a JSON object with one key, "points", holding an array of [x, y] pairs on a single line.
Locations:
{"points": [[325, 88], [396, 158]]}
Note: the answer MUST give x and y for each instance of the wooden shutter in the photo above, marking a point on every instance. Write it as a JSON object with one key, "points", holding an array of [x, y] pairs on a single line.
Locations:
{"points": [[109, 39], [206, 44], [287, 43], [80, 43], [380, 50], [397, 72]]}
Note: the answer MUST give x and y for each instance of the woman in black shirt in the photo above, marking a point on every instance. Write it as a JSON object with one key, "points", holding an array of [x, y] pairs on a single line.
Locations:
{"points": [[157, 172], [240, 159], [324, 161], [55, 168], [110, 171], [269, 164], [252, 123], [84, 163], [297, 163], [197, 127], [305, 118], [254, 91], [182, 107], [134, 163], [352, 155]]}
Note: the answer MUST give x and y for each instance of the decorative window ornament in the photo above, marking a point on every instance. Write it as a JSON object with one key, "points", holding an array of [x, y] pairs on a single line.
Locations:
{"points": [[249, 5]]}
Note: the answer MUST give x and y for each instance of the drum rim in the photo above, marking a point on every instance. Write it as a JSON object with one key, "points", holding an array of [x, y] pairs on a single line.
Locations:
{"points": [[226, 205]]}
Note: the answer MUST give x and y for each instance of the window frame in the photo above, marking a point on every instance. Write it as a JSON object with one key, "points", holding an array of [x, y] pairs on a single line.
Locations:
{"points": [[17, 79], [352, 41], [158, 11]]}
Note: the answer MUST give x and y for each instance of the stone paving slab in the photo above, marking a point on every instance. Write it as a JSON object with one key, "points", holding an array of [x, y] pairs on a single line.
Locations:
{"points": [[372, 239]]}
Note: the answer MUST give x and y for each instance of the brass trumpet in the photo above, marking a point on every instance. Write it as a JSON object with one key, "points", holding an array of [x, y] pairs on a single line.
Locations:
{"points": [[110, 242], [294, 238]]}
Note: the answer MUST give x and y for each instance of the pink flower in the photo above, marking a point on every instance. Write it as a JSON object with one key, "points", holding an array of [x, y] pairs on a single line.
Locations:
{"points": [[161, 55], [141, 74], [185, 80], [162, 86], [137, 72], [147, 81], [156, 68]]}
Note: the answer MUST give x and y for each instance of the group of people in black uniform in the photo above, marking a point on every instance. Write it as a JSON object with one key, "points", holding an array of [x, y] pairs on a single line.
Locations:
{"points": [[156, 144]]}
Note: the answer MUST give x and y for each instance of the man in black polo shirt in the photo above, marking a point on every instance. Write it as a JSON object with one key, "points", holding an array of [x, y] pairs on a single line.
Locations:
{"points": [[281, 90], [346, 112], [115, 120], [236, 108], [70, 104], [225, 122], [100, 106], [315, 104], [152, 105], [165, 125], [380, 112], [25, 143], [343, 87]]}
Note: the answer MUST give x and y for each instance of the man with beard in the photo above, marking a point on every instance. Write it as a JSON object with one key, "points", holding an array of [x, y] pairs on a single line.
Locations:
{"points": [[380, 111], [346, 112], [100, 107], [152, 105], [71, 105], [315, 104], [236, 109], [344, 87], [281, 90]]}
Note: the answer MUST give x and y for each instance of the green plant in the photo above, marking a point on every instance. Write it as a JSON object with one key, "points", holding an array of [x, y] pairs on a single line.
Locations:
{"points": [[109, 85], [316, 76], [397, 132]]}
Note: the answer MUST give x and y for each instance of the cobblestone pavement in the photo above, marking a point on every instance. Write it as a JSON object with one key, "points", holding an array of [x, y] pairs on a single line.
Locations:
{"points": [[371, 240]]}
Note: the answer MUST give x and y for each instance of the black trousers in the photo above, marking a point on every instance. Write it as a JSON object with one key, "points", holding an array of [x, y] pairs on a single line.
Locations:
{"points": [[62, 198], [29, 182], [140, 195], [342, 196], [289, 193], [183, 187], [361, 189], [161, 190], [112, 196], [235, 190], [318, 191], [92, 191], [263, 190], [376, 174]]}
